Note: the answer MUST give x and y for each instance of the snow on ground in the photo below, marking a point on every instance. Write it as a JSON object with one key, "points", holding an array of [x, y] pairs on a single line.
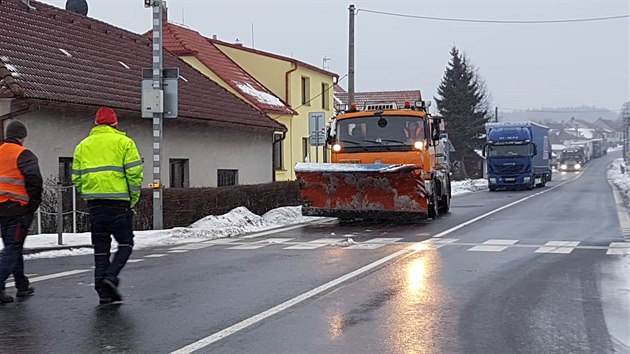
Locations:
{"points": [[468, 186], [237, 222], [619, 179]]}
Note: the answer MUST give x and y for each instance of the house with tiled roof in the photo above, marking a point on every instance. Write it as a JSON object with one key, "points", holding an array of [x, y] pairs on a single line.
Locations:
{"points": [[305, 88], [361, 98], [613, 131], [58, 67]]}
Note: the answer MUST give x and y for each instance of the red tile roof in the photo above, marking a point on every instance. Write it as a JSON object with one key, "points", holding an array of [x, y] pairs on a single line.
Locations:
{"points": [[272, 55], [103, 69], [400, 97], [184, 41]]}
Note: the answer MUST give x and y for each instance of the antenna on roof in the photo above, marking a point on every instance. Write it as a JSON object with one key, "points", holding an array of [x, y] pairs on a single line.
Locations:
{"points": [[77, 6], [253, 35]]}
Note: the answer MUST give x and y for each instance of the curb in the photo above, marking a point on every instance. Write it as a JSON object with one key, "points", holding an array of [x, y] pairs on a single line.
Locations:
{"points": [[53, 248]]}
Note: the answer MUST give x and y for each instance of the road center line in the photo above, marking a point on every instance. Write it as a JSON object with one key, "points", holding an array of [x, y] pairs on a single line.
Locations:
{"points": [[204, 342]]}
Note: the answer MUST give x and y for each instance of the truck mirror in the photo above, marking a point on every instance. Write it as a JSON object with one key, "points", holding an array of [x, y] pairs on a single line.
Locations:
{"points": [[436, 130], [534, 150], [483, 150]]}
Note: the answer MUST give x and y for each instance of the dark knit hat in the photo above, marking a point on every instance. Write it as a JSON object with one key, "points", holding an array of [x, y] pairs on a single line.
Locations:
{"points": [[15, 129], [106, 116]]}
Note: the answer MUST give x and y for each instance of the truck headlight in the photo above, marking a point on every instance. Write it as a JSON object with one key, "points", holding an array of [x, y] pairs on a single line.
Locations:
{"points": [[336, 148], [563, 167], [492, 180], [577, 166], [418, 145], [527, 179]]}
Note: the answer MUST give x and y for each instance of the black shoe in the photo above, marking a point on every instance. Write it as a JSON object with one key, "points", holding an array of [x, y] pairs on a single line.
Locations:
{"points": [[4, 298], [24, 293], [112, 289]]}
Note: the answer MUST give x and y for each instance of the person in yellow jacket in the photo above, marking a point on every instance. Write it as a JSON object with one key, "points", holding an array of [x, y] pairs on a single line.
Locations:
{"points": [[20, 195], [107, 170]]}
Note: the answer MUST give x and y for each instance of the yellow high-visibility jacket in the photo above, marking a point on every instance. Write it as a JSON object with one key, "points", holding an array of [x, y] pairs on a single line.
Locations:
{"points": [[107, 165]]}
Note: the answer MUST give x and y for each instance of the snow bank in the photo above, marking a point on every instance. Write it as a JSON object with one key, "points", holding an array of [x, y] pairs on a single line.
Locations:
{"points": [[619, 179], [468, 186], [237, 222]]}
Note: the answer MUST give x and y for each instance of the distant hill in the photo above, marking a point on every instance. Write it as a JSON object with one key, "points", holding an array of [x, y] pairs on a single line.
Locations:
{"points": [[589, 114]]}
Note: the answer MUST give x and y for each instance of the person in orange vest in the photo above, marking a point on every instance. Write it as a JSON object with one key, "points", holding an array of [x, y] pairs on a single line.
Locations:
{"points": [[21, 189], [413, 132]]}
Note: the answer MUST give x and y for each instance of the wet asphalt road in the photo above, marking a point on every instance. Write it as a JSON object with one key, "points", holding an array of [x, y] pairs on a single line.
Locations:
{"points": [[490, 286]]}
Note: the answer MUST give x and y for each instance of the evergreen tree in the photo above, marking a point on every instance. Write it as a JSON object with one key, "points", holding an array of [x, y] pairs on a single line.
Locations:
{"points": [[463, 104]]}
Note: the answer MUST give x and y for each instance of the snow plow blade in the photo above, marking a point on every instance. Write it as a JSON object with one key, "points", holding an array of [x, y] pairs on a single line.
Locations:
{"points": [[365, 191]]}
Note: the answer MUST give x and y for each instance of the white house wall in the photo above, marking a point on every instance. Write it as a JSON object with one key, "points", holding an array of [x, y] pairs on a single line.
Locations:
{"points": [[208, 147]]}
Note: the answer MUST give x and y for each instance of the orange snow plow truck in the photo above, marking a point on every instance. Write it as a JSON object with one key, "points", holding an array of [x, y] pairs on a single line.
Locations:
{"points": [[388, 162]]}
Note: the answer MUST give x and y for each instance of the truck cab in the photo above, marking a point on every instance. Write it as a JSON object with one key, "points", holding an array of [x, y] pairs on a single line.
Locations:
{"points": [[517, 155]]}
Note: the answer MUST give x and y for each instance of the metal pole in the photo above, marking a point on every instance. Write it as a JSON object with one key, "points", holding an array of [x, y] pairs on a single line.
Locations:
{"points": [[158, 118], [74, 209], [39, 221], [59, 215], [351, 56], [496, 114]]}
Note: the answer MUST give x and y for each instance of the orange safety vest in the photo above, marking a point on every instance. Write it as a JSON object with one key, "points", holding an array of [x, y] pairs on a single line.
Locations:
{"points": [[12, 182]]}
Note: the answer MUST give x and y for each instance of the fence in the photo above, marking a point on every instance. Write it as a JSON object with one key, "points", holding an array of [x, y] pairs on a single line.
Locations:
{"points": [[51, 217]]}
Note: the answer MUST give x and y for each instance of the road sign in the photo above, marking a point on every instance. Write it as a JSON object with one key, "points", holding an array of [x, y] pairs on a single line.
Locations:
{"points": [[317, 128], [150, 98]]}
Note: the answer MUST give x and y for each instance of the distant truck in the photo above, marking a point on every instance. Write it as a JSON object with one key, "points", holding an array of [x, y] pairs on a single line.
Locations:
{"points": [[572, 159], [599, 148], [518, 155], [587, 148]]}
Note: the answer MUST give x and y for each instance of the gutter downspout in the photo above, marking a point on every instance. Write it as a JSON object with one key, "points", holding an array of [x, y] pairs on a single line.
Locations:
{"points": [[288, 101]]}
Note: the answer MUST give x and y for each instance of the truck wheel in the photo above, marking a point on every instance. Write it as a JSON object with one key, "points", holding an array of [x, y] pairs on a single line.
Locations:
{"points": [[433, 207], [445, 203]]}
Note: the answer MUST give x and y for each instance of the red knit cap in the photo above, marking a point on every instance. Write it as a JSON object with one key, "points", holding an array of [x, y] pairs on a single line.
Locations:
{"points": [[106, 116]]}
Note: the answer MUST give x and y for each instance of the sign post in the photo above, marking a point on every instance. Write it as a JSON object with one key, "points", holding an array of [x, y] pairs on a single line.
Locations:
{"points": [[317, 131], [159, 101]]}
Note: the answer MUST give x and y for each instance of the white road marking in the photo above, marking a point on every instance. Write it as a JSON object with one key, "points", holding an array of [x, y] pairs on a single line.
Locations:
{"points": [[220, 241], [444, 240], [260, 244], [204, 342], [157, 255], [500, 242], [135, 260], [552, 249], [487, 248], [365, 246], [384, 240], [53, 276], [563, 243], [305, 246], [192, 246], [178, 251], [618, 248]]}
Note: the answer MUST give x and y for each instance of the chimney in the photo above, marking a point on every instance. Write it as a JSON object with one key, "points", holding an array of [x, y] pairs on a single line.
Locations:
{"points": [[214, 36]]}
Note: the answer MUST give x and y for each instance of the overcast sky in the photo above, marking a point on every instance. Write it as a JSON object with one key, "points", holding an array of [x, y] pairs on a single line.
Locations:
{"points": [[524, 66]]}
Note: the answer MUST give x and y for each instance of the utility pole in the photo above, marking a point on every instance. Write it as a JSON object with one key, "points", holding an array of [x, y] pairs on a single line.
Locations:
{"points": [[351, 56], [158, 118], [496, 114]]}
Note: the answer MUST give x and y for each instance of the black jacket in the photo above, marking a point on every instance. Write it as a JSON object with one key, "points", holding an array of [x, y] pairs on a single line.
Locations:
{"points": [[29, 166]]}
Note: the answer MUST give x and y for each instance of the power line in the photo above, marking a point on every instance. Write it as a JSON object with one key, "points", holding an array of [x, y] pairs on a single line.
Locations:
{"points": [[589, 19]]}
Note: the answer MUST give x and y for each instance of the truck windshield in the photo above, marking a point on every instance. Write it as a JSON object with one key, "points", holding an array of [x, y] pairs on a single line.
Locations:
{"points": [[522, 150], [380, 132]]}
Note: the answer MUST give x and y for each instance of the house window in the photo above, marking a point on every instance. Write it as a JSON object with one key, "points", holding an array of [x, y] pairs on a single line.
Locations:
{"points": [[306, 91], [277, 152], [325, 96], [305, 150], [65, 171], [227, 178], [179, 173]]}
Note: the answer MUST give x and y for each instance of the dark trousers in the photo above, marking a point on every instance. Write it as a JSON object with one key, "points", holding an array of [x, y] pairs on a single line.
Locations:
{"points": [[107, 221], [14, 230]]}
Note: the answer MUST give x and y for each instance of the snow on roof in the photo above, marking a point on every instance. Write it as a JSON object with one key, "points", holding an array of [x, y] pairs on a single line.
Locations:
{"points": [[262, 97]]}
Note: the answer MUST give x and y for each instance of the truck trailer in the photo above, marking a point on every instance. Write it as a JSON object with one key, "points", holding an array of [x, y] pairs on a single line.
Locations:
{"points": [[518, 155]]}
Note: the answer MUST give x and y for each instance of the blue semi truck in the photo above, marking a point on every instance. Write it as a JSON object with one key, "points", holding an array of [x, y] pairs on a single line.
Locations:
{"points": [[518, 155]]}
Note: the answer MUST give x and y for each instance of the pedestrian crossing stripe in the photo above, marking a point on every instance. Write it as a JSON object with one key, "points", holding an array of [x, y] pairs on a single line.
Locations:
{"points": [[491, 245]]}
